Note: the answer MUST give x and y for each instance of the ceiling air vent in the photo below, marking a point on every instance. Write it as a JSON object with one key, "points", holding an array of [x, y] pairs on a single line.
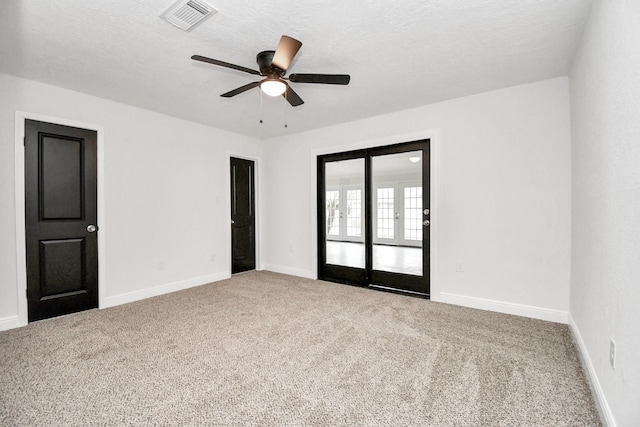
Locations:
{"points": [[186, 14]]}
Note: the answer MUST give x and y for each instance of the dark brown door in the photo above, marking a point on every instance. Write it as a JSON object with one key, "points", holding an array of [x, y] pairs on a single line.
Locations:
{"points": [[243, 247], [374, 217], [400, 217], [61, 219]]}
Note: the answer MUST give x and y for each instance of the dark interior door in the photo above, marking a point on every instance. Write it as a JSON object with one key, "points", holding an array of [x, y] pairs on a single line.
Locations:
{"points": [[373, 217], [243, 247], [342, 247], [60, 219], [400, 217]]}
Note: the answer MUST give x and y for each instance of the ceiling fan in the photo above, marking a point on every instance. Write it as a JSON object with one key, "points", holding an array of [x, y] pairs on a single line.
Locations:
{"points": [[273, 66]]}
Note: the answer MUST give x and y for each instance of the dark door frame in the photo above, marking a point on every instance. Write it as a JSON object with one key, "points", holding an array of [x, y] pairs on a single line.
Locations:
{"points": [[341, 273], [256, 191], [433, 135], [368, 276], [20, 117]]}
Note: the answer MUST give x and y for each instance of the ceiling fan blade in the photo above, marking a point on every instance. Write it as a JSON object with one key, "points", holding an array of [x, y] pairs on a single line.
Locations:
{"points": [[286, 50], [328, 79], [291, 96], [225, 64], [240, 90]]}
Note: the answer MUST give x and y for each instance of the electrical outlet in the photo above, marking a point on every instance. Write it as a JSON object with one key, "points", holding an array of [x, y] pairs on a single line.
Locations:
{"points": [[612, 353], [459, 266], [160, 265]]}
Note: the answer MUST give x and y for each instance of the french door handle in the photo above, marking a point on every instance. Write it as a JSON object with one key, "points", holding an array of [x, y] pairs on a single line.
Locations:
{"points": [[426, 223], [92, 228]]}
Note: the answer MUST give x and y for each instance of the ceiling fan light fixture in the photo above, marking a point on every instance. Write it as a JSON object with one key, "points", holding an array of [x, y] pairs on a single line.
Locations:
{"points": [[273, 87]]}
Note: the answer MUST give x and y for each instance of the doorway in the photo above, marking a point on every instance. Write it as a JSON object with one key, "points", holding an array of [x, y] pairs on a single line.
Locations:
{"points": [[61, 212], [373, 217], [243, 215]]}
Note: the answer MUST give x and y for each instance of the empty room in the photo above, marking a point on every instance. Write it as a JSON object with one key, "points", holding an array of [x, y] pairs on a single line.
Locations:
{"points": [[273, 213]]}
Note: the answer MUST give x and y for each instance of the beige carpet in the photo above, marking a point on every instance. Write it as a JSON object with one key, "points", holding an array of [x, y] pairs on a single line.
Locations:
{"points": [[272, 350]]}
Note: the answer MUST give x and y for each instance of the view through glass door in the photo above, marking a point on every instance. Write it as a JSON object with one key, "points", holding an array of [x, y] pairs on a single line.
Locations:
{"points": [[343, 218], [373, 217], [397, 201]]}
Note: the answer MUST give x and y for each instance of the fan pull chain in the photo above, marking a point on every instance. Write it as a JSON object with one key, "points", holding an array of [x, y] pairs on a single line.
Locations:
{"points": [[261, 107], [286, 105]]}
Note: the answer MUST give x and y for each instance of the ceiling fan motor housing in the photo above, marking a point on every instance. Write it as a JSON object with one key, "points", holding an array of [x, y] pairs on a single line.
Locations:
{"points": [[264, 60]]}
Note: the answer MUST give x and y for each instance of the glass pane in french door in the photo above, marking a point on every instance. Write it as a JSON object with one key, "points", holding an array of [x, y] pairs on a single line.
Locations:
{"points": [[385, 214], [344, 183], [412, 226], [397, 212], [354, 212], [333, 213]]}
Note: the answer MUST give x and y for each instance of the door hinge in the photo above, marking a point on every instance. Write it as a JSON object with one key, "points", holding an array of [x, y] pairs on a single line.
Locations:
{"points": [[24, 141]]}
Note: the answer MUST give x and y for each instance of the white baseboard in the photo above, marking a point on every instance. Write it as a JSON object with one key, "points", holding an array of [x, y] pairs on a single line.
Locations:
{"points": [[11, 322], [601, 401], [550, 315], [162, 289], [307, 274]]}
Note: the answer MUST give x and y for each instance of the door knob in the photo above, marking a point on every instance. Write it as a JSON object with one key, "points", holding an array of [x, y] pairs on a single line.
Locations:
{"points": [[233, 222], [426, 211], [92, 228], [426, 223]]}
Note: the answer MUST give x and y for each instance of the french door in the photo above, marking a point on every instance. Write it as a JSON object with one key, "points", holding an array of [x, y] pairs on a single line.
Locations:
{"points": [[345, 213], [397, 214], [373, 217]]}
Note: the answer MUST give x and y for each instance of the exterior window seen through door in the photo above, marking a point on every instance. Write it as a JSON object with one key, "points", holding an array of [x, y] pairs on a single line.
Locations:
{"points": [[344, 212], [354, 213], [398, 214], [386, 213], [333, 213], [413, 213]]}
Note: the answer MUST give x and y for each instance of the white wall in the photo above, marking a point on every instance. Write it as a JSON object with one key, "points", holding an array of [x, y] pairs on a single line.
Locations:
{"points": [[166, 193], [503, 200], [504, 206], [605, 262]]}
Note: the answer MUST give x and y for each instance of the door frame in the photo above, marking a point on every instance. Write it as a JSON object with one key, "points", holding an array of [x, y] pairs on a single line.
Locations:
{"points": [[434, 135], [21, 251], [256, 195], [369, 276]]}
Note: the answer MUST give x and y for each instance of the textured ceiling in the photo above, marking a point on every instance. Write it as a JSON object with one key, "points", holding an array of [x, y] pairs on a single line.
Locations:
{"points": [[399, 54]]}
